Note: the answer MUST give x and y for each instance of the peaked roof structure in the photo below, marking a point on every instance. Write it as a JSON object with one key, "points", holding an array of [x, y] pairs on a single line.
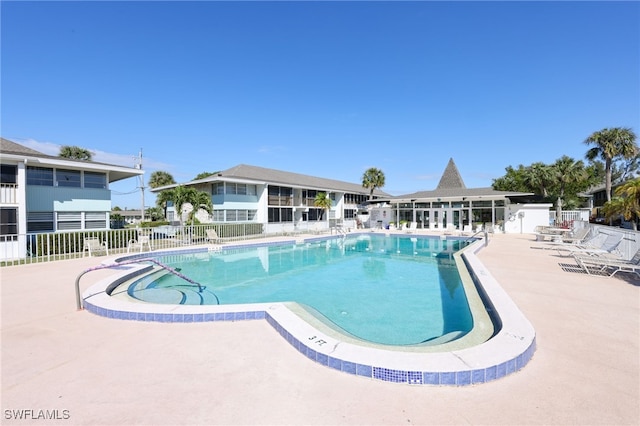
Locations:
{"points": [[452, 186], [451, 177]]}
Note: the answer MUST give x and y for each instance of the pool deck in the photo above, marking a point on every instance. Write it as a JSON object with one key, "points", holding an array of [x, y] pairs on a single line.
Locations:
{"points": [[95, 370]]}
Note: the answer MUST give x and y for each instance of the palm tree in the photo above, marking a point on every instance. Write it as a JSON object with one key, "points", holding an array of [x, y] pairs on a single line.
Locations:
{"points": [[538, 176], [160, 178], [181, 195], [565, 172], [322, 201], [626, 203], [204, 175], [75, 153], [611, 144], [371, 179]]}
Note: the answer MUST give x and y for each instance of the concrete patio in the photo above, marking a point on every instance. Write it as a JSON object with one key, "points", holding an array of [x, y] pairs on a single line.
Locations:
{"points": [[86, 369]]}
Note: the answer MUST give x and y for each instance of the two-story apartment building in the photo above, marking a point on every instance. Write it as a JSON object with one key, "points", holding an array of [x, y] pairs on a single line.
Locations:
{"points": [[44, 193], [282, 201]]}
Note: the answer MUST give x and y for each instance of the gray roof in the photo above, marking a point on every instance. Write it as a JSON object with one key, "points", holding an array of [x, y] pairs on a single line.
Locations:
{"points": [[116, 172], [451, 177], [462, 192], [272, 176], [8, 147]]}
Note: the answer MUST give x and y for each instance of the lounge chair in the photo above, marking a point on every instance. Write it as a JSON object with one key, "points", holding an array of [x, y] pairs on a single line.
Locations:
{"points": [[412, 227], [609, 245], [578, 236], [212, 236], [93, 246], [140, 243], [449, 229], [608, 264], [592, 241]]}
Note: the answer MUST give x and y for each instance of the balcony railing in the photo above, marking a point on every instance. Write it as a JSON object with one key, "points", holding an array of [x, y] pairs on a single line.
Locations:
{"points": [[8, 193]]}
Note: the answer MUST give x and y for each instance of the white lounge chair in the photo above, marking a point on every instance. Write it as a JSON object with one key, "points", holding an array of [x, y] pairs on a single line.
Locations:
{"points": [[609, 245], [212, 236], [450, 229], [140, 243], [592, 241], [608, 264], [412, 227], [575, 237], [93, 246]]}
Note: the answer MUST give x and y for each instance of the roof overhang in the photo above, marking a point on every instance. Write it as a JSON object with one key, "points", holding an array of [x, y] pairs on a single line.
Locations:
{"points": [[114, 172]]}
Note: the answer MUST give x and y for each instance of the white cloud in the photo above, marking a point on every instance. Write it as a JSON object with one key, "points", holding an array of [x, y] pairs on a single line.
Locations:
{"points": [[47, 148]]}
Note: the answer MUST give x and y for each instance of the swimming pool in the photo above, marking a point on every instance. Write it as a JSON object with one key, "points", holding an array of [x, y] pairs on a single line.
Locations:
{"points": [[393, 290], [497, 346]]}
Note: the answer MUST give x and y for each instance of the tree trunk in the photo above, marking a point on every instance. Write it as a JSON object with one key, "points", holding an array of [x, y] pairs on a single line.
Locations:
{"points": [[558, 211]]}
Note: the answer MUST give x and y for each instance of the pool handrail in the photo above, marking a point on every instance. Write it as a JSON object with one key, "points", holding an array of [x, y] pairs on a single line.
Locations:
{"points": [[482, 232], [127, 262]]}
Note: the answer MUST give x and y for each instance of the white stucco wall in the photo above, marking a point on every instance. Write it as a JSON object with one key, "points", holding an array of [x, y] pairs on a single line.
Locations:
{"points": [[523, 218]]}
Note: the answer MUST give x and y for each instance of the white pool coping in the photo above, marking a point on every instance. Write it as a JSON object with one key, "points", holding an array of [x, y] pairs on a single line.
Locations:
{"points": [[509, 350]]}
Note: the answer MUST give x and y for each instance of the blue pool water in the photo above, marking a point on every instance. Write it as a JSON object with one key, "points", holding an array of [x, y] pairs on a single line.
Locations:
{"points": [[393, 290]]}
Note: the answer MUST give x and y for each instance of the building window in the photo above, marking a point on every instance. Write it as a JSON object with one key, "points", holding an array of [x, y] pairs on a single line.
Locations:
{"points": [[314, 214], [95, 220], [39, 176], [8, 174], [68, 178], [95, 180], [69, 221], [349, 213], [280, 196], [40, 222], [217, 188], [218, 215], [279, 215], [8, 221]]}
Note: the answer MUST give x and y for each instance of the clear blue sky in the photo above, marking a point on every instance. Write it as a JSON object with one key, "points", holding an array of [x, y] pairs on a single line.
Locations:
{"points": [[323, 88]]}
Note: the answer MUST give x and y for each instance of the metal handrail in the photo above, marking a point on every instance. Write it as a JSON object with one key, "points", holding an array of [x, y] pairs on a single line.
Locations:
{"points": [[482, 231], [127, 262]]}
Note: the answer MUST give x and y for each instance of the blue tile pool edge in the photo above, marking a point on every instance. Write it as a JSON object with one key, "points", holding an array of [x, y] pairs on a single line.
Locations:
{"points": [[488, 371], [412, 377]]}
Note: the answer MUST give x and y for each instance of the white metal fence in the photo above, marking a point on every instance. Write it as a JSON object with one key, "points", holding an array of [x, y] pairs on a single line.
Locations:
{"points": [[568, 217], [44, 247]]}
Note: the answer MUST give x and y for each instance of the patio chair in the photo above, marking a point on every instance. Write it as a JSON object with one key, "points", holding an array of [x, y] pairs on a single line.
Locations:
{"points": [[93, 246], [608, 265], [412, 227], [140, 243], [212, 236], [578, 236], [592, 241], [449, 230], [609, 245]]}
